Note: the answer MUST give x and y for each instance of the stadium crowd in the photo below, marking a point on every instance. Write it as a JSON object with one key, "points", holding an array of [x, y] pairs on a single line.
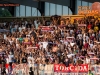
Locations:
{"points": [[57, 41]]}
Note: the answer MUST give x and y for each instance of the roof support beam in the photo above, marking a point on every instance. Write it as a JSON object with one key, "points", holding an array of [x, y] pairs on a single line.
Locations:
{"points": [[73, 6]]}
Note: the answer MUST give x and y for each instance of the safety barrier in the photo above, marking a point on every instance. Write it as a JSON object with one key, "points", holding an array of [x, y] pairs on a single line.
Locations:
{"points": [[53, 69]]}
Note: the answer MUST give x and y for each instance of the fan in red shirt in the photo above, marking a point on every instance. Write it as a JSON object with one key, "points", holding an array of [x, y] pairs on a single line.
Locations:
{"points": [[37, 45], [86, 45], [89, 26]]}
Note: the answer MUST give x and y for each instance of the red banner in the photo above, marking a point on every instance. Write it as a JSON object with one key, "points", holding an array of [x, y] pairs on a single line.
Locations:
{"points": [[83, 68]]}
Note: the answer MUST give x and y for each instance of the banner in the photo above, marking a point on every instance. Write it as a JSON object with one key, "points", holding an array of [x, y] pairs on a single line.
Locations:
{"points": [[56, 69], [95, 69], [46, 28], [70, 39], [60, 68], [81, 25], [48, 69], [98, 69], [87, 10], [20, 68]]}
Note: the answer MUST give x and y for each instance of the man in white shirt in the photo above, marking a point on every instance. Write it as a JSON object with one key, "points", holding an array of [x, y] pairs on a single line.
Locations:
{"points": [[36, 22], [71, 31], [80, 36], [4, 36], [44, 44], [91, 44], [31, 61], [26, 22], [20, 29], [30, 58], [87, 60], [10, 57]]}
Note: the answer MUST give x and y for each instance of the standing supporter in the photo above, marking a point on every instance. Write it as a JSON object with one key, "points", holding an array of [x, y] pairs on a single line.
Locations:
{"points": [[89, 26], [86, 45], [20, 39], [24, 59], [10, 56], [96, 28], [67, 61]]}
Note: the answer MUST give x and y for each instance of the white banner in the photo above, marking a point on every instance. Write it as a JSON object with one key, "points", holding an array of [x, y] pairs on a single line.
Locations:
{"points": [[95, 69], [20, 68]]}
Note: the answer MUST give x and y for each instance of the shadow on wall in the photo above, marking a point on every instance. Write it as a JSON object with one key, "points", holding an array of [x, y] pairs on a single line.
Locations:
{"points": [[5, 13]]}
